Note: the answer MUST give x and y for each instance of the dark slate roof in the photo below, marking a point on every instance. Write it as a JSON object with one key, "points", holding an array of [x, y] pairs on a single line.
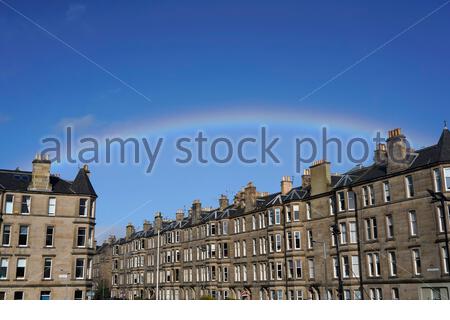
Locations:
{"points": [[17, 180]]}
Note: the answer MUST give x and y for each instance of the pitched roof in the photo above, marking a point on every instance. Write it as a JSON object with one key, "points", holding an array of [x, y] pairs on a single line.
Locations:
{"points": [[18, 180]]}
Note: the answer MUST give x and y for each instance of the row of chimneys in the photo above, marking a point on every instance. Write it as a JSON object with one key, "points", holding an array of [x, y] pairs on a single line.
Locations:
{"points": [[396, 155]]}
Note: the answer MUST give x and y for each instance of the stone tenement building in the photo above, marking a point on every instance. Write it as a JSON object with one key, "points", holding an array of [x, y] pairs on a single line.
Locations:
{"points": [[371, 233], [47, 234]]}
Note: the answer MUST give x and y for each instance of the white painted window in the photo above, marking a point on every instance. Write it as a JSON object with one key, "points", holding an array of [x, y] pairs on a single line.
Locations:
{"points": [[277, 216], [412, 223], [297, 240], [389, 227], [437, 180], [355, 266], [392, 263], [278, 242], [4, 263], [351, 200], [447, 178], [341, 201], [21, 268], [343, 230], [296, 212], [9, 203], [386, 191], [311, 270], [26, 205], [51, 206], [353, 234], [83, 207], [409, 186], [417, 264]]}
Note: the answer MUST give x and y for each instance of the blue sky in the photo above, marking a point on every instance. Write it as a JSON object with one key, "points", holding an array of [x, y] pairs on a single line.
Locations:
{"points": [[191, 63]]}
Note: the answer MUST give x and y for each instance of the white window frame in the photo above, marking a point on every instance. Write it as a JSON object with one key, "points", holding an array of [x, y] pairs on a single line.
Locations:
{"points": [[4, 265], [413, 226], [447, 178], [409, 184], [24, 260], [9, 205], [51, 206], [28, 203], [387, 195], [437, 178]]}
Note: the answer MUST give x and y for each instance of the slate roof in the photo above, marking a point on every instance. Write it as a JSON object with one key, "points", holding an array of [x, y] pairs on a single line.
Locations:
{"points": [[18, 181]]}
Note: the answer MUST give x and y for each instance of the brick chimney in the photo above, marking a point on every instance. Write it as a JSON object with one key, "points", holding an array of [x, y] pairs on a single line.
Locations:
{"points": [[306, 178], [286, 184], [320, 177], [380, 155], [158, 220], [250, 196], [147, 225], [196, 211], [179, 215], [397, 151], [223, 202], [130, 231], [40, 178]]}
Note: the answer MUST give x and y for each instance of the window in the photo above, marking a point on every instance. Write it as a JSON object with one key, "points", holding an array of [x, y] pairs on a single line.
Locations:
{"points": [[371, 195], [78, 295], [343, 230], [437, 180], [297, 240], [23, 236], [389, 226], [298, 269], [373, 263], [18, 295], [346, 266], [341, 201], [47, 268], [279, 271], [444, 260], [371, 229], [353, 234], [347, 295], [278, 242], [288, 240], [225, 227], [9, 204], [310, 239], [297, 212], [81, 237], [395, 294], [254, 246], [392, 263], [288, 214], [365, 196], [270, 213], [4, 268], [308, 211], [441, 219], [6, 236], [386, 191], [311, 268], [335, 267], [26, 205], [412, 223], [376, 294], [253, 222], [331, 206], [21, 268], [83, 208], [409, 186], [79, 268], [355, 266], [447, 178], [45, 295], [416, 261], [277, 216], [351, 200], [2, 295], [49, 236], [51, 206]]}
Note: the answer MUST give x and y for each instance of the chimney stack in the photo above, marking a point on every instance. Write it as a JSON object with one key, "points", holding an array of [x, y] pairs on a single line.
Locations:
{"points": [[158, 220], [250, 196], [40, 179], [147, 225], [380, 154], [130, 231], [196, 211], [306, 178], [397, 151], [179, 215], [111, 239], [223, 202], [286, 184], [320, 177]]}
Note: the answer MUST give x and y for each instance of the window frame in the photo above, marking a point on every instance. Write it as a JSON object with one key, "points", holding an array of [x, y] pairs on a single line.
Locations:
{"points": [[9, 202], [51, 205]]}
